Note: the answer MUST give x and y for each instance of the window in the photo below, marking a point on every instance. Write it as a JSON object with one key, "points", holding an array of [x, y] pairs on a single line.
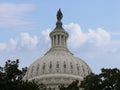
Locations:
{"points": [[57, 65], [50, 65], [88, 70], [64, 67], [37, 69], [83, 70], [32, 71], [71, 67], [43, 68], [78, 69]]}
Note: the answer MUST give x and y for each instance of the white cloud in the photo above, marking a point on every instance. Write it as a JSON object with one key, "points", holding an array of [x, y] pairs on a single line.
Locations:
{"points": [[98, 37], [27, 41], [76, 35], [24, 42], [77, 38], [45, 34], [12, 15]]}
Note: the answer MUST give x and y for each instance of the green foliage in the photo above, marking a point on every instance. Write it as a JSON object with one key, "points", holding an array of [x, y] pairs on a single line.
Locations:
{"points": [[108, 79], [91, 82], [25, 86], [11, 78], [72, 86], [12, 71]]}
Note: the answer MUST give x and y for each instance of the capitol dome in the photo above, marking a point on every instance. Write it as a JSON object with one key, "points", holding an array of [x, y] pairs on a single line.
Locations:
{"points": [[58, 65]]}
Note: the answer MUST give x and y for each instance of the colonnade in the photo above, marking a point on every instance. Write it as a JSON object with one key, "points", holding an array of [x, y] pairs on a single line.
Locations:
{"points": [[59, 40]]}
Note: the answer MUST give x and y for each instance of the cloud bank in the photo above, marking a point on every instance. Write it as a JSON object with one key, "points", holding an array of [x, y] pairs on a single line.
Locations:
{"points": [[94, 38], [25, 42], [98, 37], [95, 46]]}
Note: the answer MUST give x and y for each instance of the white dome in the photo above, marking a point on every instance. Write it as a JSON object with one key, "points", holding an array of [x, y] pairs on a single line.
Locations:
{"points": [[58, 65]]}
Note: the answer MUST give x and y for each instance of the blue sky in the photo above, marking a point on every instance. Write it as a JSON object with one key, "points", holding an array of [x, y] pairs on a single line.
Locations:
{"points": [[93, 27]]}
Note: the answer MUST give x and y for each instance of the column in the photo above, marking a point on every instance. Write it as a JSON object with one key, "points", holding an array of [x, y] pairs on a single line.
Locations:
{"points": [[64, 41], [60, 40], [56, 40]]}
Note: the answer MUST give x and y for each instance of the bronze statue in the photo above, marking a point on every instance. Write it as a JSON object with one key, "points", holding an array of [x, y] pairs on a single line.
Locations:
{"points": [[59, 15]]}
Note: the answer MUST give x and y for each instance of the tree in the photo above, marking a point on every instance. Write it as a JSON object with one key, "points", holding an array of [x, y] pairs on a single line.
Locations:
{"points": [[108, 79], [11, 77], [72, 86], [12, 71]]}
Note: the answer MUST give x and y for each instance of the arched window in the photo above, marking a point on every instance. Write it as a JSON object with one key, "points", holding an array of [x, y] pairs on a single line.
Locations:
{"points": [[78, 70], [43, 68], [32, 71], [57, 66], [64, 67], [71, 67], [83, 70], [50, 67], [37, 69], [88, 70]]}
